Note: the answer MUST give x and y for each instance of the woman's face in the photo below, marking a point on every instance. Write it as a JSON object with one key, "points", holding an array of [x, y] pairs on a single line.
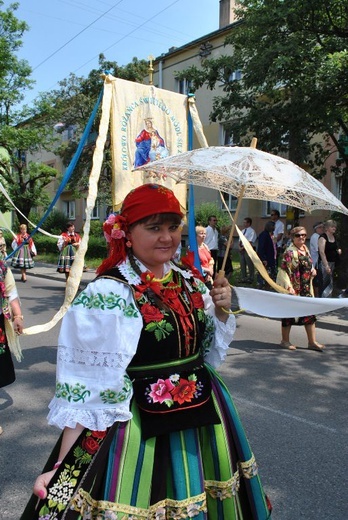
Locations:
{"points": [[155, 243], [299, 238], [331, 229], [201, 237]]}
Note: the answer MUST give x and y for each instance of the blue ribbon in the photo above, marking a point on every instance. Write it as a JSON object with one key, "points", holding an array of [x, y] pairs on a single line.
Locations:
{"points": [[69, 171]]}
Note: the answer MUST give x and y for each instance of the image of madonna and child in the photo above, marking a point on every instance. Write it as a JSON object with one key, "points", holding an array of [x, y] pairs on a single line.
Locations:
{"points": [[150, 146], [23, 257], [149, 428]]}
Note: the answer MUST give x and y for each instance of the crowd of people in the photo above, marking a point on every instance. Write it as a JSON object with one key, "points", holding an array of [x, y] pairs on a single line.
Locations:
{"points": [[301, 270]]}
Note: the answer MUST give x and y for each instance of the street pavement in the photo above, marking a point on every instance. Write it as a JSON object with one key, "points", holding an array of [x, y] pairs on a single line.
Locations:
{"points": [[335, 320]]}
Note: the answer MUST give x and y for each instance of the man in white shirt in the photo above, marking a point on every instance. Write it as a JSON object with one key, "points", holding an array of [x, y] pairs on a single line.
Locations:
{"points": [[314, 251], [246, 264], [278, 231], [212, 237]]}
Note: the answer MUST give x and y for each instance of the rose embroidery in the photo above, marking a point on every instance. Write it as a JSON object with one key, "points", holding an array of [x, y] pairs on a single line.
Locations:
{"points": [[151, 313], [175, 389], [197, 300], [161, 391], [90, 445], [184, 392]]}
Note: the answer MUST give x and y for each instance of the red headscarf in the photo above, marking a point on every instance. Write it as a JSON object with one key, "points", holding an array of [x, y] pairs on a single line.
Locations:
{"points": [[144, 201]]}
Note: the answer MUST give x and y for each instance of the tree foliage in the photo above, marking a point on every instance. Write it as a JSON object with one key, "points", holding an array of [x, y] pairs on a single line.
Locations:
{"points": [[24, 180], [293, 58]]}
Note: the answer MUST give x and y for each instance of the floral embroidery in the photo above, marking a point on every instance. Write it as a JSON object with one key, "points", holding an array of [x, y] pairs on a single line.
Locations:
{"points": [[209, 332], [110, 301], [89, 447], [60, 493], [2, 342], [174, 389], [73, 393], [112, 397], [222, 490], [151, 313]]}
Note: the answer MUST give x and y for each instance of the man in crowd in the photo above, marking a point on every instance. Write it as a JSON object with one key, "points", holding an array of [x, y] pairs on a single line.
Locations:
{"points": [[246, 264], [278, 231], [212, 237], [314, 251]]}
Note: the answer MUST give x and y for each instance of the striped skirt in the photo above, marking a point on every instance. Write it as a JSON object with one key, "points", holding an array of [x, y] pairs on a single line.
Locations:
{"points": [[22, 259], [207, 473], [65, 259]]}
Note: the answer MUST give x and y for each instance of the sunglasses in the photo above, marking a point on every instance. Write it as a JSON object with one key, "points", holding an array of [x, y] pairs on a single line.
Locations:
{"points": [[300, 235]]}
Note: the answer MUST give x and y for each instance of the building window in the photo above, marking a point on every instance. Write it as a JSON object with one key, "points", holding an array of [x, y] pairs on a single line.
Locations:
{"points": [[236, 75], [231, 202], [227, 137], [69, 209], [269, 205], [184, 86], [96, 210]]}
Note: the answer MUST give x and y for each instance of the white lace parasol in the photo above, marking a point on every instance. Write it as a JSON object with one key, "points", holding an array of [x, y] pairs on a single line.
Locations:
{"points": [[248, 172]]}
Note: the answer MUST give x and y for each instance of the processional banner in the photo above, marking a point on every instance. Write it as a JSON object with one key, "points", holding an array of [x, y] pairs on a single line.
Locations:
{"points": [[147, 123]]}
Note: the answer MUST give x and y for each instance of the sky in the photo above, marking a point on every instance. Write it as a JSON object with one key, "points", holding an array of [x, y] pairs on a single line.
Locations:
{"points": [[67, 36]]}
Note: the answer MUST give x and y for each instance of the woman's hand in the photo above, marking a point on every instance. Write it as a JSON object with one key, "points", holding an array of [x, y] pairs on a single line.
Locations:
{"points": [[41, 483], [18, 324], [291, 290], [222, 295]]}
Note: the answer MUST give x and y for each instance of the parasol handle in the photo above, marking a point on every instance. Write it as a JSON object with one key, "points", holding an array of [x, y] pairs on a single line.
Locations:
{"points": [[234, 220]]}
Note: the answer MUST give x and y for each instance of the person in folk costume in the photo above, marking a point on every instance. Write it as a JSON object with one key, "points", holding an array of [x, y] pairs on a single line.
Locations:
{"points": [[23, 258], [11, 326], [149, 428], [68, 243], [3, 252]]}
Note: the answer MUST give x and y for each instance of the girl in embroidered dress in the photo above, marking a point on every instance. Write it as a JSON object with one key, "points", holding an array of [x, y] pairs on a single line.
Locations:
{"points": [[149, 429], [22, 259], [68, 243]]}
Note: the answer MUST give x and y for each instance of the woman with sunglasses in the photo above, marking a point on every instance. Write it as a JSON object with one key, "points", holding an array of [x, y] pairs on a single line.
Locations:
{"points": [[296, 273]]}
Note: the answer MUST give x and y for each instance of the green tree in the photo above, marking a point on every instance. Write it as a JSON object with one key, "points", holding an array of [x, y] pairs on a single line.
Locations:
{"points": [[293, 57], [23, 179]]}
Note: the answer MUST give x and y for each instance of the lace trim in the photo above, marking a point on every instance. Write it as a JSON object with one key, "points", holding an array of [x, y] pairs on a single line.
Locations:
{"points": [[79, 356], [222, 490], [95, 420], [90, 508], [249, 468]]}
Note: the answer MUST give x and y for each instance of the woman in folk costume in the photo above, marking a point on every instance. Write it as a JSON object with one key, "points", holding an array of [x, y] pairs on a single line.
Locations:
{"points": [[22, 259], [149, 428], [11, 326], [68, 243]]}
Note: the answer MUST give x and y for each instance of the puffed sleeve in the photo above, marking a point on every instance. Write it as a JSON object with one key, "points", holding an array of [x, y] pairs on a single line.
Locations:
{"points": [[98, 338], [218, 335]]}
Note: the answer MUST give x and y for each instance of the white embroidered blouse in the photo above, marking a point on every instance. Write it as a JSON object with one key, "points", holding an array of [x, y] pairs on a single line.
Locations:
{"points": [[97, 341]]}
